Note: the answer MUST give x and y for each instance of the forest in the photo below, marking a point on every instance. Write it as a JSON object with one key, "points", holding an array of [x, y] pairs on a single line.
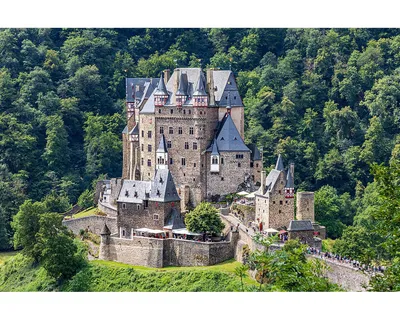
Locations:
{"points": [[327, 99]]}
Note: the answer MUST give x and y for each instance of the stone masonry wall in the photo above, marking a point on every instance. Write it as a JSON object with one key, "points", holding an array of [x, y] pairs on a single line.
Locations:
{"points": [[95, 224], [230, 175], [108, 209], [305, 206]]}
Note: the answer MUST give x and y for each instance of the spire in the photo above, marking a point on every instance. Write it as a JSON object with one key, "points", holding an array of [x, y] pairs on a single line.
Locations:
{"points": [[161, 89], [214, 151], [199, 89], [162, 147], [289, 180], [181, 89], [279, 163], [105, 231]]}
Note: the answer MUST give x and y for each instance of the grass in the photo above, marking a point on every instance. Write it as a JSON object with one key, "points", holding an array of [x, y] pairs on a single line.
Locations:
{"points": [[86, 213], [4, 256]]}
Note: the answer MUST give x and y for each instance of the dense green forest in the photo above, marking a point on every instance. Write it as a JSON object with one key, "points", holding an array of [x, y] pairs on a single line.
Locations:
{"points": [[328, 99]]}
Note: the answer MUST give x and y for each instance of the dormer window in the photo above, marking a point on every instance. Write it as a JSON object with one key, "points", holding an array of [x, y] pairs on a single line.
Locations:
{"points": [[135, 194], [126, 193]]}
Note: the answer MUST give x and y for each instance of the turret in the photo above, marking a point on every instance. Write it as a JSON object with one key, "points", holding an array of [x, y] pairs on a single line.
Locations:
{"points": [[104, 252], [162, 154], [200, 98], [181, 93], [215, 161], [279, 164], [289, 187], [161, 93]]}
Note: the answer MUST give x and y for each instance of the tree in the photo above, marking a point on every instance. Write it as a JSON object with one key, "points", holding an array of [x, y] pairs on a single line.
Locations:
{"points": [[204, 218], [26, 225], [86, 199], [58, 252], [242, 272]]}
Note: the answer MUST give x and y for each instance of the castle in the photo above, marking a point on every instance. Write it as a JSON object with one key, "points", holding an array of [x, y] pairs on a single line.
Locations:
{"points": [[183, 143], [193, 125]]}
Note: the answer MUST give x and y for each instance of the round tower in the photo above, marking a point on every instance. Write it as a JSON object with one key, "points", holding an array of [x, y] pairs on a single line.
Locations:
{"points": [[305, 206], [105, 235]]}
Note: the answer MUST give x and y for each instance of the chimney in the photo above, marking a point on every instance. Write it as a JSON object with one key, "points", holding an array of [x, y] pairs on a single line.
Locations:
{"points": [[210, 86], [262, 187], [167, 75]]}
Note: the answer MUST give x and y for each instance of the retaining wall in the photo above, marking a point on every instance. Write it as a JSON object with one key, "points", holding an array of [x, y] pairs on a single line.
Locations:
{"points": [[95, 224], [108, 209]]}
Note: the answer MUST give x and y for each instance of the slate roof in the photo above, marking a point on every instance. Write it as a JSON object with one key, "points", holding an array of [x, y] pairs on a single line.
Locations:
{"points": [[162, 147], [200, 86], [225, 83], [139, 88], [183, 84], [228, 138], [279, 163], [174, 220], [134, 191], [255, 152], [135, 130], [289, 180], [163, 187], [214, 150], [105, 230], [125, 130], [271, 179], [161, 89], [300, 225]]}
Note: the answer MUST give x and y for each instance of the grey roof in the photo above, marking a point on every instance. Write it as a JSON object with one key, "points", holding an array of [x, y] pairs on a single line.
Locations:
{"points": [[200, 86], [149, 105], [183, 84], [174, 220], [134, 191], [228, 137], [138, 88], [214, 150], [279, 163], [255, 152], [225, 83], [161, 89], [105, 230], [289, 180], [163, 187], [273, 175], [125, 130], [162, 147], [135, 130], [300, 225]]}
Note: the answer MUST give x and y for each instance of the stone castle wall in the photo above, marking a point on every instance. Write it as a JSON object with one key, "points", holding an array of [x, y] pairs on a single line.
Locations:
{"points": [[157, 253], [230, 175], [305, 206], [95, 224], [107, 209]]}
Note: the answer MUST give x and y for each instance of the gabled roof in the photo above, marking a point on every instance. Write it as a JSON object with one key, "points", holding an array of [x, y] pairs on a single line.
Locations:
{"points": [[183, 84], [279, 163], [255, 152], [225, 83], [289, 180], [135, 130], [200, 86], [163, 187], [174, 220], [300, 225], [228, 138], [162, 147], [214, 150], [105, 230], [161, 89]]}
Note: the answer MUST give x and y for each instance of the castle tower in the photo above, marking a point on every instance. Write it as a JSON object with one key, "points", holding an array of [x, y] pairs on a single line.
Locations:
{"points": [[214, 158], [289, 187], [181, 93], [162, 154], [305, 206], [161, 93], [200, 95], [105, 234]]}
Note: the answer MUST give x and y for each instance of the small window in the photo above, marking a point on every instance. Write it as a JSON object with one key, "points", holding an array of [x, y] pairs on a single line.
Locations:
{"points": [[123, 232], [170, 161], [155, 217], [142, 147], [138, 207], [145, 204], [194, 179], [280, 191], [149, 148], [214, 160], [194, 165], [281, 202], [169, 144], [172, 111], [222, 178], [222, 160], [191, 130], [142, 162], [161, 130], [239, 164], [273, 202], [159, 110], [183, 161], [194, 145], [142, 133], [184, 111], [124, 206], [190, 111], [149, 162], [180, 130], [280, 211], [256, 165], [149, 134], [171, 130], [286, 202], [186, 145]]}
